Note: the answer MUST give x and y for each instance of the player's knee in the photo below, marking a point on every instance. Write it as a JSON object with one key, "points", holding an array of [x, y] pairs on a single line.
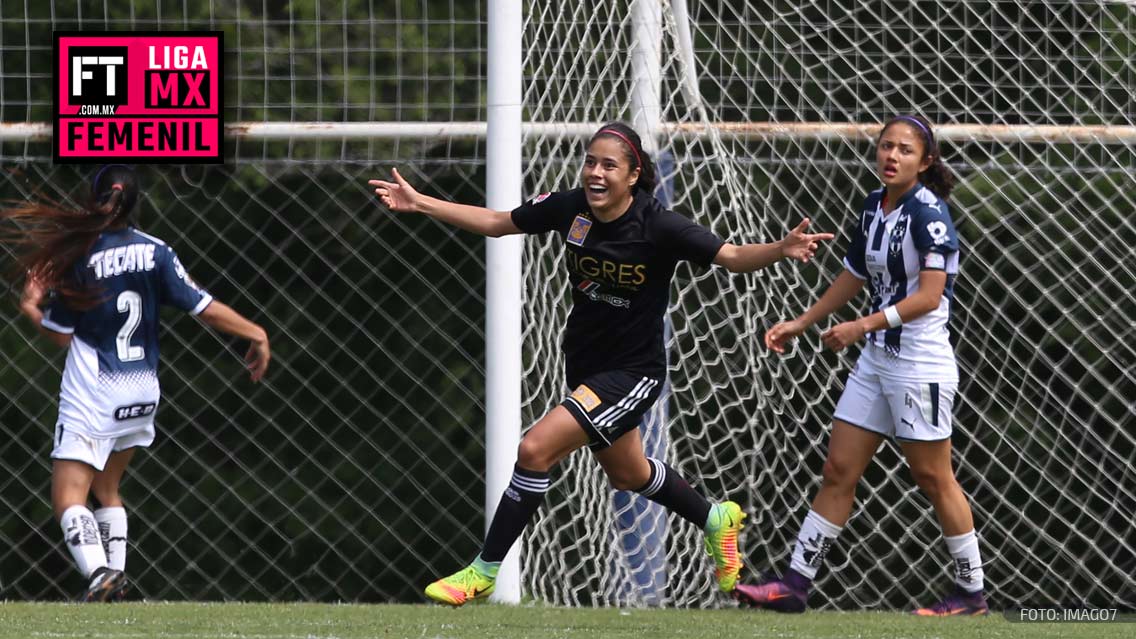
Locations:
{"points": [[934, 482], [105, 496], [533, 455], [838, 475]]}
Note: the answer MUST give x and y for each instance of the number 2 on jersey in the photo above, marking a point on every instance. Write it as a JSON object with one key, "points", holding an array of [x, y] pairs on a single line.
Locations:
{"points": [[130, 303]]}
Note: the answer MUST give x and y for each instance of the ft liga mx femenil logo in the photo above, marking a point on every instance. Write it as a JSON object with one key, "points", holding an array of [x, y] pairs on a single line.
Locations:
{"points": [[142, 97]]}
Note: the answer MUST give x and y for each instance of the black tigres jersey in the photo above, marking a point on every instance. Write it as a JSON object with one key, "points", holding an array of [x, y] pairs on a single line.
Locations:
{"points": [[621, 274]]}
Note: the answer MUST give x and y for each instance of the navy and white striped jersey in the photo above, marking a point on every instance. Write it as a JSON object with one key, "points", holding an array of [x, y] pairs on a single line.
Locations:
{"points": [[110, 380], [889, 251]]}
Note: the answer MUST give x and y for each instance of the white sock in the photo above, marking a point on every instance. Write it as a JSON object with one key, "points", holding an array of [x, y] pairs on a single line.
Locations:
{"points": [[112, 531], [81, 534], [813, 542], [968, 563]]}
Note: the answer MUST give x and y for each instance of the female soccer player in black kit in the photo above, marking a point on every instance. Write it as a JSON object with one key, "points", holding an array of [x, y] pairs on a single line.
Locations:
{"points": [[622, 248]]}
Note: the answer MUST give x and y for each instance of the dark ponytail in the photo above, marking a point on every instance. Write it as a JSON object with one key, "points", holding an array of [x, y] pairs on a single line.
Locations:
{"points": [[52, 237], [937, 177], [635, 154], [110, 180]]}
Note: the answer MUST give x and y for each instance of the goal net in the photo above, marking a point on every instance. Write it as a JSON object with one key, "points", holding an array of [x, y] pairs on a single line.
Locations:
{"points": [[355, 471], [1043, 441]]}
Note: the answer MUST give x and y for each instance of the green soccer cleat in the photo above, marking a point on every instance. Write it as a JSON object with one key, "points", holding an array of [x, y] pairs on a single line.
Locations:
{"points": [[722, 527], [464, 585]]}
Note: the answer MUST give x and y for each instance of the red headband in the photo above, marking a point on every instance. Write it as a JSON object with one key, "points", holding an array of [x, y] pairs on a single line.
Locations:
{"points": [[638, 160]]}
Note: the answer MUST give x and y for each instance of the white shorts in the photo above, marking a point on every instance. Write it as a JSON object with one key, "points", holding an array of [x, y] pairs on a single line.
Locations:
{"points": [[77, 446], [899, 408]]}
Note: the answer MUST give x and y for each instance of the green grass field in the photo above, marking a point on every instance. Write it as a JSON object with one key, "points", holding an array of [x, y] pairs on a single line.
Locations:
{"points": [[323, 621]]}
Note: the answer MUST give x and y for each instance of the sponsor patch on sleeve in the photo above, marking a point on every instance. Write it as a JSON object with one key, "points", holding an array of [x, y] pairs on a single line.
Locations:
{"points": [[938, 232], [540, 198], [936, 261], [587, 397]]}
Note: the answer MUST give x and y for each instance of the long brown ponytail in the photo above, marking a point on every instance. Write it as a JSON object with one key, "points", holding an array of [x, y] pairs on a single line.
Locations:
{"points": [[51, 237]]}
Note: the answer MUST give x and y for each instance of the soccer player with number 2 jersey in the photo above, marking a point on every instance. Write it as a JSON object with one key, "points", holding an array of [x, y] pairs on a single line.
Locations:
{"points": [[621, 248], [94, 285], [904, 247]]}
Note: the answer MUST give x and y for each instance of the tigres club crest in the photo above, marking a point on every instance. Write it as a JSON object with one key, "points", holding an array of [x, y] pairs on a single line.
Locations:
{"points": [[587, 397], [580, 227]]}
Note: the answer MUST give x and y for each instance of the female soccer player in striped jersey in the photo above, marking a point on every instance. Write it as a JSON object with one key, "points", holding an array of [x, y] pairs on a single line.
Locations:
{"points": [[106, 281], [621, 248], [903, 386]]}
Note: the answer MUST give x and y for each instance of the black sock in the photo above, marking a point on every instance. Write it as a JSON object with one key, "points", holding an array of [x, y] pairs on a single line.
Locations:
{"points": [[668, 488], [518, 504]]}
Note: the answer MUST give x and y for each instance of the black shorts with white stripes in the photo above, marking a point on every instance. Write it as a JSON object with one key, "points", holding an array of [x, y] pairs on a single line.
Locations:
{"points": [[607, 405]]}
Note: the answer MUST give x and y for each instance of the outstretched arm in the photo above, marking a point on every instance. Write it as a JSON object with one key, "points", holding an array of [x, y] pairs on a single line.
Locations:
{"points": [[797, 245], [226, 320], [401, 197]]}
